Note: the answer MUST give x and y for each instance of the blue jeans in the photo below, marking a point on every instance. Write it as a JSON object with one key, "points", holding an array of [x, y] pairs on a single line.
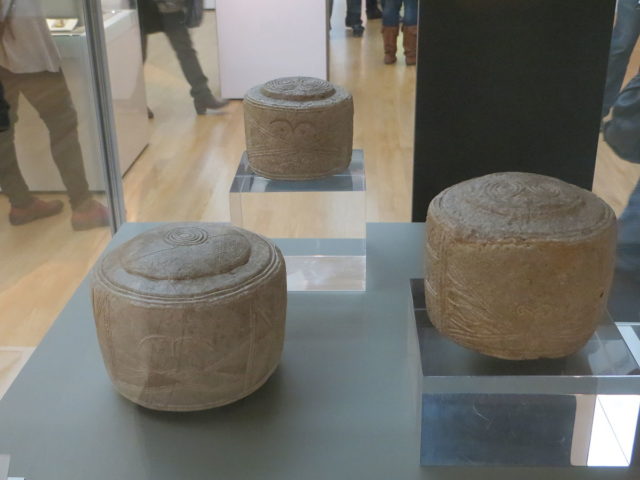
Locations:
{"points": [[623, 40], [391, 13], [629, 235]]}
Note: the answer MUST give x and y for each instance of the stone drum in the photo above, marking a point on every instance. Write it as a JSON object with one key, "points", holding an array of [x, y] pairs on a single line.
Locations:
{"points": [[298, 128], [518, 265], [190, 316]]}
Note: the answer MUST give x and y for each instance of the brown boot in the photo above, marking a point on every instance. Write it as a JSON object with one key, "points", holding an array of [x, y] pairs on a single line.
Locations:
{"points": [[410, 42], [390, 38]]}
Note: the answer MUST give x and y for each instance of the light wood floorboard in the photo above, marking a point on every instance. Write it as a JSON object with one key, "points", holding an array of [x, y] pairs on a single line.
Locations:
{"points": [[42, 265]]}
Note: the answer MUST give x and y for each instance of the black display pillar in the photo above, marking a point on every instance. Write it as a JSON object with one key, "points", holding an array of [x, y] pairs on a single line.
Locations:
{"points": [[508, 85]]}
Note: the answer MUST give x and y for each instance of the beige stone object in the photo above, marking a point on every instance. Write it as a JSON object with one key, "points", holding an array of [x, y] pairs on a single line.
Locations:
{"points": [[190, 316], [298, 128], [518, 266]]}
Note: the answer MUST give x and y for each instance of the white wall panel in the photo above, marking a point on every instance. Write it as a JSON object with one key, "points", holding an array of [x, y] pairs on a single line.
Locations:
{"points": [[261, 40]]}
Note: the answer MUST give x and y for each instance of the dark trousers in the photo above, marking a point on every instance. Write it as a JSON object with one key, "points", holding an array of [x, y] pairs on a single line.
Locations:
{"points": [[628, 258], [180, 40], [49, 95], [623, 40], [4, 111], [354, 12]]}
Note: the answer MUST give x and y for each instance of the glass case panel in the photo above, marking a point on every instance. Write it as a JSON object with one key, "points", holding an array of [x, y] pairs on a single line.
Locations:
{"points": [[54, 192], [326, 217]]}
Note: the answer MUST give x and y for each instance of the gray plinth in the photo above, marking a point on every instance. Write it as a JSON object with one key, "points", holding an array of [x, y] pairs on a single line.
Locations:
{"points": [[342, 405], [578, 410]]}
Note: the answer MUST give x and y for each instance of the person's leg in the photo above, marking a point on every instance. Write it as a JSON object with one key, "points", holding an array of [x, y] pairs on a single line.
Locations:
{"points": [[150, 20], [354, 13], [390, 29], [25, 207], [391, 13], [12, 182], [180, 40], [144, 42], [628, 258], [373, 12], [354, 17], [410, 31], [4, 111], [50, 96], [410, 13], [623, 40]]}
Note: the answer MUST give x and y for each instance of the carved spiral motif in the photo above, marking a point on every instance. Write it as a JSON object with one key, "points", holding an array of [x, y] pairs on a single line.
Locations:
{"points": [[298, 88], [186, 236], [516, 198]]}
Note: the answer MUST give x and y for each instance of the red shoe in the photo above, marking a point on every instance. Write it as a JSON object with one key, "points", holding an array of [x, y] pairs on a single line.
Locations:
{"points": [[35, 210], [90, 214]]}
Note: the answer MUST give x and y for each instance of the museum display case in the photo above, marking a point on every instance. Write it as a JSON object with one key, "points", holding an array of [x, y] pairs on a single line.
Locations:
{"points": [[350, 384], [173, 356]]}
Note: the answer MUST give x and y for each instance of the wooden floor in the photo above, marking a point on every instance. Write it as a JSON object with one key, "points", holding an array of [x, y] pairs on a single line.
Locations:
{"points": [[186, 171]]}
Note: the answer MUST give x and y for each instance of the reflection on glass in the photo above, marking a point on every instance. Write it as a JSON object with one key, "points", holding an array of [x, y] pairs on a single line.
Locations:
{"points": [[477, 429], [614, 427], [329, 250], [174, 20], [623, 41], [30, 68], [49, 154], [618, 173]]}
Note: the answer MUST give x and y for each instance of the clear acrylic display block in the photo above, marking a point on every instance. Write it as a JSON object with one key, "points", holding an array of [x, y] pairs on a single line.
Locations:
{"points": [[581, 410], [320, 225]]}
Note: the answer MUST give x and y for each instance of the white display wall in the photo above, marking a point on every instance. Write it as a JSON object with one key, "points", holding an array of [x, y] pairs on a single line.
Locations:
{"points": [[261, 40]]}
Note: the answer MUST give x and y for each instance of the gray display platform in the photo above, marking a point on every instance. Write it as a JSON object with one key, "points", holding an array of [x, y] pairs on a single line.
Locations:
{"points": [[578, 410], [343, 405]]}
